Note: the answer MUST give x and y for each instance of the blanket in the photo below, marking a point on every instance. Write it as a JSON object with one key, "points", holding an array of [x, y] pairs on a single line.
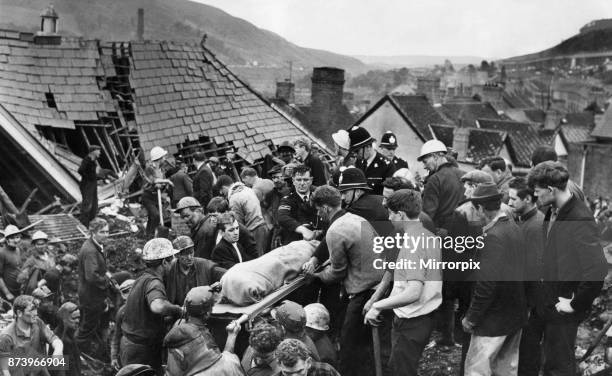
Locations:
{"points": [[248, 282]]}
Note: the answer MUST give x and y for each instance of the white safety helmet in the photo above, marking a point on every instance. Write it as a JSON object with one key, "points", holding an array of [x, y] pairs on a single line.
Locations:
{"points": [[431, 146], [158, 249], [317, 316], [39, 235], [341, 138], [157, 153]]}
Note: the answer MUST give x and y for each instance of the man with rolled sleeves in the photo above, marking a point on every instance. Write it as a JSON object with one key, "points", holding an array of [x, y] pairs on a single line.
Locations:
{"points": [[387, 146], [373, 164]]}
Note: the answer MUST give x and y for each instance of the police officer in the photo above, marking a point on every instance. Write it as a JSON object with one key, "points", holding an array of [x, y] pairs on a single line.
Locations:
{"points": [[373, 164], [297, 217], [388, 144]]}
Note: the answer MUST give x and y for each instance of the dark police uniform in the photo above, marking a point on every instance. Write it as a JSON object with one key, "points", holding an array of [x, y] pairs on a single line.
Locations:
{"points": [[294, 212], [376, 173], [399, 163]]}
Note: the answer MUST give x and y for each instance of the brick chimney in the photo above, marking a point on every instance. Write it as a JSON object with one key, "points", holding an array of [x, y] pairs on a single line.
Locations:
{"points": [[552, 120], [285, 90], [326, 101], [461, 139], [429, 86], [48, 28], [140, 25]]}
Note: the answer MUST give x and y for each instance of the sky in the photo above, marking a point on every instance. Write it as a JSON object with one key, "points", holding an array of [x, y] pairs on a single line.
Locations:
{"points": [[484, 28]]}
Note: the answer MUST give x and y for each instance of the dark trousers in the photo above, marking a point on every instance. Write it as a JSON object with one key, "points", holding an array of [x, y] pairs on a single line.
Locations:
{"points": [[356, 348], [260, 235], [149, 201], [408, 340], [89, 205], [135, 353], [554, 340], [93, 329]]}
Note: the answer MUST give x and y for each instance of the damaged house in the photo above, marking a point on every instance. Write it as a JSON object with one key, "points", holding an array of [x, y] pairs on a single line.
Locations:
{"points": [[58, 95]]}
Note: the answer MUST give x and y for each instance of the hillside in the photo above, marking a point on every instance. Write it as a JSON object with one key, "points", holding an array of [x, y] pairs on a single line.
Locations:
{"points": [[412, 61], [234, 40], [592, 41]]}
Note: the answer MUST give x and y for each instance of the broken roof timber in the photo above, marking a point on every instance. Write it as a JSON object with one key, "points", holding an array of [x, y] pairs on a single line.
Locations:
{"points": [[62, 179]]}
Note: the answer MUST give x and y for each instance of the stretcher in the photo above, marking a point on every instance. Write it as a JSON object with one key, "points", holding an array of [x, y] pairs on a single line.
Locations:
{"points": [[246, 314]]}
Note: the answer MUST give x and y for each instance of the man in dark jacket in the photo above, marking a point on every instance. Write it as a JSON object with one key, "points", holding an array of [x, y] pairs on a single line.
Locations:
{"points": [[497, 309], [188, 271], [373, 164], [89, 185], [443, 190], [304, 155], [228, 251], [203, 180], [93, 290], [574, 267], [182, 185], [204, 226], [297, 217]]}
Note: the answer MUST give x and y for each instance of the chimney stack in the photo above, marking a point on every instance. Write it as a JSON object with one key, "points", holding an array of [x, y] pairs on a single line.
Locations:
{"points": [[285, 90], [552, 120], [48, 28], [140, 25], [461, 139], [430, 87], [326, 101]]}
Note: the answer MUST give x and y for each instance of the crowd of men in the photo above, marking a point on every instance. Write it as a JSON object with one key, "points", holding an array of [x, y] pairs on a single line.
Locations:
{"points": [[541, 265]]}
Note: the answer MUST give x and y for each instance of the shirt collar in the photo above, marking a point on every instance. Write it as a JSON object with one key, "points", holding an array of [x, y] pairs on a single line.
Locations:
{"points": [[500, 216], [98, 245], [21, 333], [371, 159]]}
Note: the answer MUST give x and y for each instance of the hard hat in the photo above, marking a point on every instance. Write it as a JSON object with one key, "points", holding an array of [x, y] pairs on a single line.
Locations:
{"points": [[11, 230], [341, 138], [388, 140], [187, 202], [431, 146], [291, 316], [157, 153], [317, 316], [39, 235], [182, 242], [157, 249], [136, 370], [199, 300], [285, 146]]}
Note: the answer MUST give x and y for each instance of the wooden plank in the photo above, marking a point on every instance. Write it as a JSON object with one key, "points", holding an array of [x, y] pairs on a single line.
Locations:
{"points": [[109, 156]]}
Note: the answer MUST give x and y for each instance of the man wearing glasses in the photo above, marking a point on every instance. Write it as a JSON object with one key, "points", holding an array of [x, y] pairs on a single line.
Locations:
{"points": [[188, 271]]}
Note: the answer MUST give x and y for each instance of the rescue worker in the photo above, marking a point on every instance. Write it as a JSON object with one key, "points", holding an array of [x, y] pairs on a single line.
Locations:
{"points": [[373, 164], [317, 327], [35, 266], [203, 180], [188, 271], [94, 291], [387, 146], [143, 325], [26, 337], [154, 181], [305, 156], [89, 184], [10, 263], [191, 347], [292, 318], [297, 217]]}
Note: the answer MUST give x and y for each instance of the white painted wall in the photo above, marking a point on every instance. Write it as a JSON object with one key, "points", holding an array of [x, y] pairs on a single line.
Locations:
{"points": [[386, 118]]}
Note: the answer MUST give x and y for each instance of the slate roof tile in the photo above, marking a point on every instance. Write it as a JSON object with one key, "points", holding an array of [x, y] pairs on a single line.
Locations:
{"points": [[523, 137], [466, 114]]}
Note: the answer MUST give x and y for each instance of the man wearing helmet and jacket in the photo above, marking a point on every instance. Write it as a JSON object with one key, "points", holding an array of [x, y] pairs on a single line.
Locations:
{"points": [[143, 326], [35, 266], [192, 350], [188, 271], [154, 180], [373, 164]]}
